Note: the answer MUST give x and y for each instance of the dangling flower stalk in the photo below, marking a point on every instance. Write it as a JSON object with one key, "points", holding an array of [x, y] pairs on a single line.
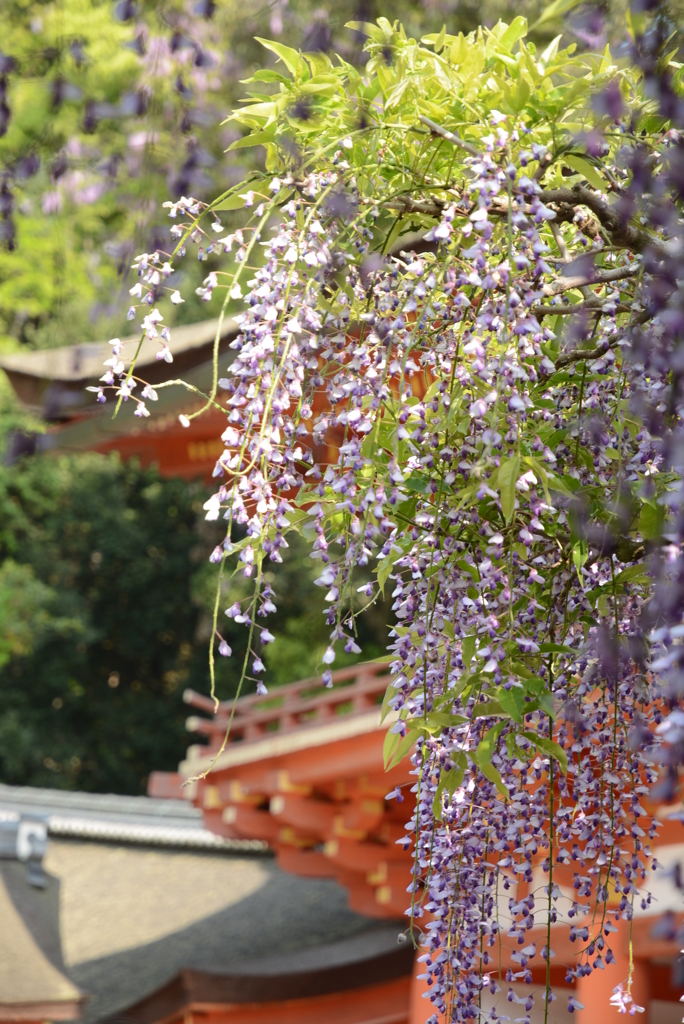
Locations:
{"points": [[475, 411]]}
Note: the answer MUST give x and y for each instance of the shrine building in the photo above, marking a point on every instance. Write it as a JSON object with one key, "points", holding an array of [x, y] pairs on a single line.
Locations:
{"points": [[52, 384], [127, 910], [303, 771]]}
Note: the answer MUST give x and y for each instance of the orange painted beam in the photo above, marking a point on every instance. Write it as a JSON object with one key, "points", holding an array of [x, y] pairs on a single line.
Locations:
{"points": [[595, 991], [364, 899], [396, 874], [215, 822], [322, 819], [306, 863], [649, 946], [260, 779], [358, 818], [645, 946], [177, 451], [660, 978], [394, 900], [391, 832], [381, 901], [306, 815], [420, 1007], [362, 857], [344, 759], [249, 823]]}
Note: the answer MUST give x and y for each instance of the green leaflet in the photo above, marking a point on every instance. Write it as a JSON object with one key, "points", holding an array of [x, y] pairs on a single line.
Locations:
{"points": [[494, 775], [418, 483], [513, 702], [266, 75], [290, 58], [554, 10], [521, 671], [580, 553], [255, 138], [539, 470], [385, 709], [509, 471], [550, 748], [325, 85], [369, 29], [632, 574], [651, 520], [436, 721], [467, 649], [396, 747], [515, 31], [236, 202], [486, 749], [449, 782], [489, 709], [384, 569], [584, 168], [545, 702]]}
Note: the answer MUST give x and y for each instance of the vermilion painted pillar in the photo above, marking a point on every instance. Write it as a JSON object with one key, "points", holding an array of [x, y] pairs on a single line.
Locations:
{"points": [[595, 990]]}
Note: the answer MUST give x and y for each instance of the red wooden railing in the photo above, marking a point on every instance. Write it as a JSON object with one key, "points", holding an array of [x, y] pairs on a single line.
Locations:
{"points": [[298, 705]]}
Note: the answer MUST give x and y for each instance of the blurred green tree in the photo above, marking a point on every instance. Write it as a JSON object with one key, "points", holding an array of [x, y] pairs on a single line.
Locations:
{"points": [[101, 640], [105, 617]]}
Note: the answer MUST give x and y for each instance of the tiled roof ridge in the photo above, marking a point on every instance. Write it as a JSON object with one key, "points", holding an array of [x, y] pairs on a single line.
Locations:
{"points": [[122, 819], [154, 835]]}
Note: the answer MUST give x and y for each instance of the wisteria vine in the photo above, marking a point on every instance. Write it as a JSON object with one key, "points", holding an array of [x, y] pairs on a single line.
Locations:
{"points": [[457, 362]]}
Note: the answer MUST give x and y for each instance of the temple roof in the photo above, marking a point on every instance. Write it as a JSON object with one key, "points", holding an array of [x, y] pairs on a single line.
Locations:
{"points": [[51, 382], [134, 918], [33, 980], [52, 385], [82, 362], [145, 919]]}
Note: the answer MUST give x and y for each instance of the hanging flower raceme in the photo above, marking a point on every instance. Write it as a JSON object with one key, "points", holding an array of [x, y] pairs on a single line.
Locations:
{"points": [[467, 416]]}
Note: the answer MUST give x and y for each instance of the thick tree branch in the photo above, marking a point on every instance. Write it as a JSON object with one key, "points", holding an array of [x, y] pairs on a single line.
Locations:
{"points": [[407, 204], [565, 284], [622, 234], [595, 306], [580, 354]]}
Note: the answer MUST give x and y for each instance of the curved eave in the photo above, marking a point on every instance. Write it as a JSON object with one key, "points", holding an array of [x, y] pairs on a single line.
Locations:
{"points": [[192, 989]]}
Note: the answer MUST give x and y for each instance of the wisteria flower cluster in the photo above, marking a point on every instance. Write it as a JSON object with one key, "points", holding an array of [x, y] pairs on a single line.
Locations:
{"points": [[455, 365]]}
